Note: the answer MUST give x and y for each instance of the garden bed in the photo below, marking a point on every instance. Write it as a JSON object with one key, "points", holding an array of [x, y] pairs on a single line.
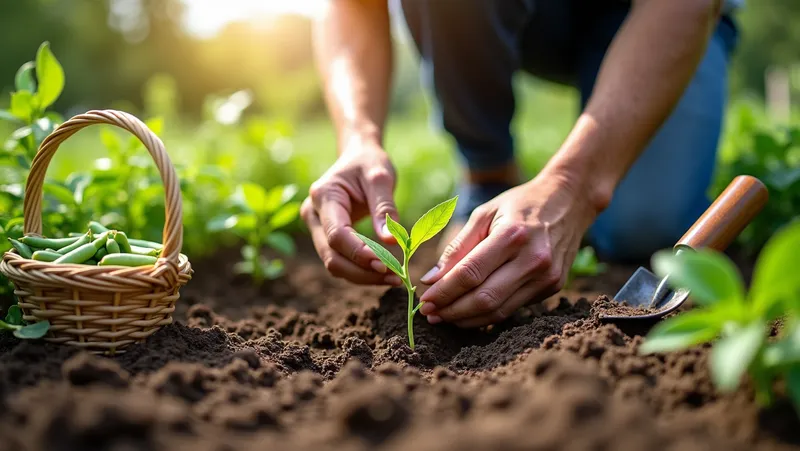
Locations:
{"points": [[313, 363]]}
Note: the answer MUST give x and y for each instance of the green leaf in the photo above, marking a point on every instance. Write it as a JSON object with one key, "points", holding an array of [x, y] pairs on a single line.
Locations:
{"points": [[732, 355], [155, 124], [111, 141], [22, 105], [785, 351], [586, 264], [383, 255], [7, 116], [682, 331], [710, 276], [793, 386], [251, 196], [59, 193], [281, 242], [24, 79], [33, 331], [774, 275], [273, 269], [50, 76], [277, 196], [249, 252], [285, 216], [398, 231], [243, 268], [431, 223], [14, 315]]}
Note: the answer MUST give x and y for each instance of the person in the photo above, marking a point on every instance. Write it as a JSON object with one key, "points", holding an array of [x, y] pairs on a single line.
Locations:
{"points": [[630, 177]]}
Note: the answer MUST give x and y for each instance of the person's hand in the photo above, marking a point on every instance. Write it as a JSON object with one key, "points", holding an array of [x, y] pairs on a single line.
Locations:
{"points": [[515, 249], [361, 182]]}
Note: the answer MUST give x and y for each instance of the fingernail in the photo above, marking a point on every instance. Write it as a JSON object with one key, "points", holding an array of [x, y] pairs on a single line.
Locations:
{"points": [[433, 319], [377, 265], [427, 308], [429, 275], [393, 280], [385, 230]]}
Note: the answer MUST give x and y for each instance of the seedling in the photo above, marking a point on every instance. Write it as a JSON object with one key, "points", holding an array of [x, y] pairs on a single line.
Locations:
{"points": [[585, 264], [740, 320], [425, 228], [259, 217]]}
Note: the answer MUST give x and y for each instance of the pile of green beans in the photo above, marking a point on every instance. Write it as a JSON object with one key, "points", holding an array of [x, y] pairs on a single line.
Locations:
{"points": [[97, 246]]}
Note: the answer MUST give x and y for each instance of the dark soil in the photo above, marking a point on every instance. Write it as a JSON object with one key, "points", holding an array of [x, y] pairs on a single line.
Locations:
{"points": [[312, 363]]}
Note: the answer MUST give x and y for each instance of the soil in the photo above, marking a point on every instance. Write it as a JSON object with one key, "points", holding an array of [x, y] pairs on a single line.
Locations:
{"points": [[313, 363]]}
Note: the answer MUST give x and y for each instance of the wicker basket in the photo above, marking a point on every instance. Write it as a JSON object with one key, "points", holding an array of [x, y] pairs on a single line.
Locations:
{"points": [[100, 308]]}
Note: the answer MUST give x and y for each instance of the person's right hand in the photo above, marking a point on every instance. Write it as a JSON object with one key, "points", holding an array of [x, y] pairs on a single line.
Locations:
{"points": [[360, 183]]}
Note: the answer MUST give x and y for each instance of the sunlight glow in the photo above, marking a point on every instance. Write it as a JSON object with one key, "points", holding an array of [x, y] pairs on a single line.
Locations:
{"points": [[204, 18]]}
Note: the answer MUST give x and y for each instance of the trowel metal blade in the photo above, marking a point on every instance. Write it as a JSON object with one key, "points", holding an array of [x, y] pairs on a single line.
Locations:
{"points": [[638, 292]]}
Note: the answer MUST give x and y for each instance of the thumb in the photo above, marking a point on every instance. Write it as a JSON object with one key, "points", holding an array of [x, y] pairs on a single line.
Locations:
{"points": [[474, 231], [380, 200]]}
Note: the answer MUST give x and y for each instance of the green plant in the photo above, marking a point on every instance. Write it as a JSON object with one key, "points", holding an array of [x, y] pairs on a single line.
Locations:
{"points": [[15, 323], [738, 318], [752, 145], [424, 229], [257, 216], [585, 264]]}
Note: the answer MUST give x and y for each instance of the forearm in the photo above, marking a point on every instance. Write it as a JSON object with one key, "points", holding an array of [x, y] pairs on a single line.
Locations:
{"points": [[353, 52], [644, 74]]}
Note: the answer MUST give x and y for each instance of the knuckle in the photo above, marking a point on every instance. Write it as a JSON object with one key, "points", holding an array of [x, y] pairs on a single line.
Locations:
{"points": [[516, 234], [486, 300], [316, 189], [499, 314], [479, 212], [335, 236], [470, 274], [306, 209], [330, 264], [541, 260], [554, 280], [378, 176], [451, 248], [383, 207]]}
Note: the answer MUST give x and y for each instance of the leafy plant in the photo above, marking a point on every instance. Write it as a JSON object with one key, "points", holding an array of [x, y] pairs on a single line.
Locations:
{"points": [[756, 147], [15, 323], [739, 319], [257, 217], [585, 264], [423, 230]]}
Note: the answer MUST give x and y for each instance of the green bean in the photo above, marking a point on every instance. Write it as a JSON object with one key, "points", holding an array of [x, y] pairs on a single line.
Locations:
{"points": [[91, 261], [145, 251], [127, 260], [79, 255], [122, 240], [75, 234], [22, 248], [85, 238], [111, 246], [96, 227], [102, 252], [145, 243], [45, 243], [46, 256], [84, 252]]}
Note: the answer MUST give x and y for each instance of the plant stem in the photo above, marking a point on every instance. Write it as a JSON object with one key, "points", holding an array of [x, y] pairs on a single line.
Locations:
{"points": [[407, 282]]}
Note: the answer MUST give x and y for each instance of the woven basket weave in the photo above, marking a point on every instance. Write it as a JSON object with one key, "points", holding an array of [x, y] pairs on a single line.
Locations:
{"points": [[100, 308]]}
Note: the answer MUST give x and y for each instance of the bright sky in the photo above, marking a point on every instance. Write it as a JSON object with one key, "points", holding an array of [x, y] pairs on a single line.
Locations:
{"points": [[206, 17]]}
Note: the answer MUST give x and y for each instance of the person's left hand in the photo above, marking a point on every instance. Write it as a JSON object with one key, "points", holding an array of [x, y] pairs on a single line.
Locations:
{"points": [[515, 249]]}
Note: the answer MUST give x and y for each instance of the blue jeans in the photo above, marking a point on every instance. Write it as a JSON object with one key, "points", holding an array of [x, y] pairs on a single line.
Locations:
{"points": [[470, 49]]}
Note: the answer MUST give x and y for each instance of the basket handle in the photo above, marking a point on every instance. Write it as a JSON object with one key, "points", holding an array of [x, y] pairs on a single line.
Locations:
{"points": [[173, 226]]}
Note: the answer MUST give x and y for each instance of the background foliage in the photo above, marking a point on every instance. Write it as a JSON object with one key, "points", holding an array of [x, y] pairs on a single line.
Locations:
{"points": [[242, 109]]}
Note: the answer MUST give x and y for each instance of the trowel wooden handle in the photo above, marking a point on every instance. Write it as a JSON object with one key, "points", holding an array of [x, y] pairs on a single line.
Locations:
{"points": [[730, 213]]}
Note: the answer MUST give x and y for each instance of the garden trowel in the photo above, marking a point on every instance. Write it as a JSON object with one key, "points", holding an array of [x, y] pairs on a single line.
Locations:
{"points": [[719, 225]]}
